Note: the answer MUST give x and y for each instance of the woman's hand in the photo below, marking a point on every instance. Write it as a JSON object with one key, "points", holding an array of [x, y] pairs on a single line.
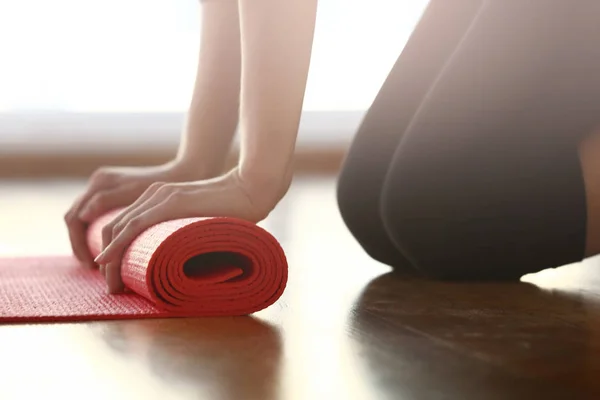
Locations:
{"points": [[115, 187], [227, 196]]}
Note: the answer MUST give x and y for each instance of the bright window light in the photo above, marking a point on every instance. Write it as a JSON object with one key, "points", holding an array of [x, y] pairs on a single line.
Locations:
{"points": [[140, 55]]}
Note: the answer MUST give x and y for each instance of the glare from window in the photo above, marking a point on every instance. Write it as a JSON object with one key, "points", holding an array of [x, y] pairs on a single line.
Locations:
{"points": [[141, 55]]}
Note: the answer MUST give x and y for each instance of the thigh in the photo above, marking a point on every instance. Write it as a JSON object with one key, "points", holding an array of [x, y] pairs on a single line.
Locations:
{"points": [[486, 182], [361, 180]]}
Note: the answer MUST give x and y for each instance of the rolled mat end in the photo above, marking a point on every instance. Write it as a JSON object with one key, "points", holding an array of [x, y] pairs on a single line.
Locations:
{"points": [[202, 266]]}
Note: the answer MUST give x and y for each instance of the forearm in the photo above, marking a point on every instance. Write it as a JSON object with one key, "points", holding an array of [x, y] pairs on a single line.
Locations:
{"points": [[213, 113], [277, 39]]}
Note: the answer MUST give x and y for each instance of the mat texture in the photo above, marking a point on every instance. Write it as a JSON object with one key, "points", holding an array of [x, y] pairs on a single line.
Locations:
{"points": [[183, 268]]}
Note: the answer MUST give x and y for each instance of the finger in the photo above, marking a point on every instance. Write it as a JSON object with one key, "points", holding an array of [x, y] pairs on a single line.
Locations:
{"points": [[77, 236], [158, 197], [114, 282], [107, 234], [168, 209], [108, 199], [75, 206], [68, 218], [107, 231], [131, 220], [77, 229], [98, 181], [151, 191]]}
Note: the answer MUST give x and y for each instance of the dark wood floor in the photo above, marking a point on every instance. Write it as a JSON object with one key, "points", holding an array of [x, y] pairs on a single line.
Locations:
{"points": [[346, 328]]}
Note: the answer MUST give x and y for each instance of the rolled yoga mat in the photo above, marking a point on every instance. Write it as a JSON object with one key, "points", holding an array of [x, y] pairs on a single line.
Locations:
{"points": [[190, 267]]}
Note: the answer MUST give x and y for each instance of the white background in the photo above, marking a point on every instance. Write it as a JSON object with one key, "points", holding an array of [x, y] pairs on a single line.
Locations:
{"points": [[95, 74]]}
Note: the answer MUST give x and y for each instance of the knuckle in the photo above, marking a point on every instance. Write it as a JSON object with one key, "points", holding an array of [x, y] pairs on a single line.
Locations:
{"points": [[98, 200], [166, 189], [128, 228], [97, 173], [176, 195], [104, 176], [71, 217], [100, 174], [156, 186], [134, 223], [116, 228]]}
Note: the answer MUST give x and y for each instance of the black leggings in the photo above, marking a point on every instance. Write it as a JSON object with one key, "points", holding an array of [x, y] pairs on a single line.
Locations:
{"points": [[466, 165]]}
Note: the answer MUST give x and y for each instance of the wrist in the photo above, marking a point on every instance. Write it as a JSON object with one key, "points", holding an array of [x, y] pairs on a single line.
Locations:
{"points": [[265, 185], [186, 168]]}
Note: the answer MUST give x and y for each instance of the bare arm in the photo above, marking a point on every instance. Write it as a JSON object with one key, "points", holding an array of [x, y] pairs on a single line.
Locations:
{"points": [[277, 37], [276, 47], [213, 114]]}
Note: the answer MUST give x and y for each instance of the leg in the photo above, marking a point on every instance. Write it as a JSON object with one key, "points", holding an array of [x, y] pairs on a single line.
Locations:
{"points": [[590, 162], [487, 181], [361, 180]]}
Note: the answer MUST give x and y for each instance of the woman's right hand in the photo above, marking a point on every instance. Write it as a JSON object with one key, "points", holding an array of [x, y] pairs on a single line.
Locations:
{"points": [[115, 187]]}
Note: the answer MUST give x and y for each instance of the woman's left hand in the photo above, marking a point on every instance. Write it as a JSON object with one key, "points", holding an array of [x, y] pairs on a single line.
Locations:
{"points": [[227, 196]]}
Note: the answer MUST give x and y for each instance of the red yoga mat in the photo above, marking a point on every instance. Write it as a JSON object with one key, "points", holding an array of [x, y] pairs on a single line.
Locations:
{"points": [[191, 267]]}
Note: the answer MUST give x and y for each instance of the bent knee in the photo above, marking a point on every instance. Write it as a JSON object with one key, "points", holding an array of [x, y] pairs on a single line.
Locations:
{"points": [[355, 206], [589, 153], [358, 193], [414, 230], [348, 201], [438, 232]]}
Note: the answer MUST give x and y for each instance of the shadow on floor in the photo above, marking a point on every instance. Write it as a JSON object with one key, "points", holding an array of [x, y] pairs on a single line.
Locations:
{"points": [[230, 358], [427, 339]]}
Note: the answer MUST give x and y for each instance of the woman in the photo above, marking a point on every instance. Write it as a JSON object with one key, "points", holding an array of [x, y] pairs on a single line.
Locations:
{"points": [[477, 160]]}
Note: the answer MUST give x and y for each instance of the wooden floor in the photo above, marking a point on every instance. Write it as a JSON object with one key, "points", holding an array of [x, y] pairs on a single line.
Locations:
{"points": [[345, 328]]}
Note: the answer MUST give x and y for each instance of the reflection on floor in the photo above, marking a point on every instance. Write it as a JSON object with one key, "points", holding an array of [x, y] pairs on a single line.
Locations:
{"points": [[345, 328]]}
